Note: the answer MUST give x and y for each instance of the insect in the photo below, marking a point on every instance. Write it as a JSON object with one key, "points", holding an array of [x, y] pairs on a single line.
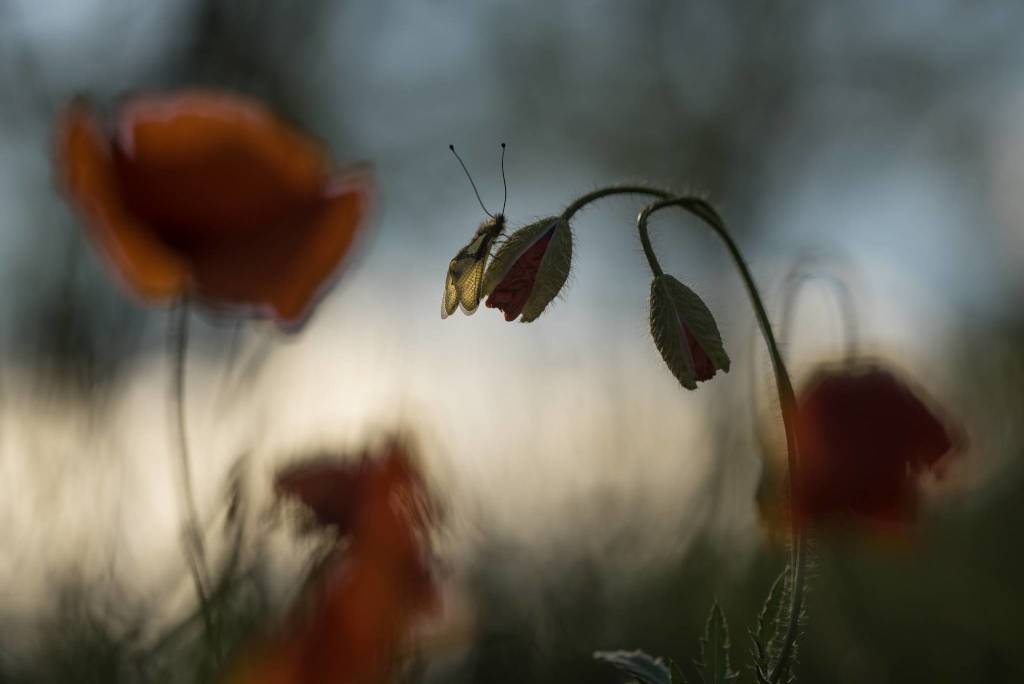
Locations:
{"points": [[466, 270]]}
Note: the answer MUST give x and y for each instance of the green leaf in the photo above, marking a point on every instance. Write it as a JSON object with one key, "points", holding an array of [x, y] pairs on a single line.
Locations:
{"points": [[771, 626], [639, 665], [714, 649], [675, 309]]}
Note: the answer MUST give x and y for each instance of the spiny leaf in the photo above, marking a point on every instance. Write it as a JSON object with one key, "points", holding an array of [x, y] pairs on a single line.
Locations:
{"points": [[771, 626], [714, 649], [637, 664], [677, 311], [769, 620], [677, 672]]}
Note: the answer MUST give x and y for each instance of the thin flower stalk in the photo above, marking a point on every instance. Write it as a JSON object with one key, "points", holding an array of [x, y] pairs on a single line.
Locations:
{"points": [[784, 386], [195, 549], [787, 401]]}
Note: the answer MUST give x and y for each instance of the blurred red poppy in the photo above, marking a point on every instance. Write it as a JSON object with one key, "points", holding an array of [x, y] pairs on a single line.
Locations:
{"points": [[209, 194], [361, 605], [866, 439]]}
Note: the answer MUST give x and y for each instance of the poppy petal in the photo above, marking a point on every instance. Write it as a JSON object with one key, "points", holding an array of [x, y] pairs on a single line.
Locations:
{"points": [[329, 489], [88, 175], [199, 164], [329, 239]]}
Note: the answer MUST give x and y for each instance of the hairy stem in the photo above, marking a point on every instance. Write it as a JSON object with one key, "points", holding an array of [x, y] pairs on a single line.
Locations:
{"points": [[195, 552], [787, 401], [787, 397], [611, 190], [805, 271]]}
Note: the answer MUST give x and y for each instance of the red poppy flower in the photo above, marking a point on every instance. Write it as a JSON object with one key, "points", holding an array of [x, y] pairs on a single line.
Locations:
{"points": [[529, 270], [866, 439], [210, 194], [361, 605]]}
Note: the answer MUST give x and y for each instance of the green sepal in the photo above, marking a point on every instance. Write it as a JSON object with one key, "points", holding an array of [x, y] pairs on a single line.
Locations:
{"points": [[673, 307]]}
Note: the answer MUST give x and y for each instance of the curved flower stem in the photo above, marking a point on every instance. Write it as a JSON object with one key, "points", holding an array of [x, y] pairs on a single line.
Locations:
{"points": [[787, 397], [797, 278], [195, 552], [571, 210], [787, 401]]}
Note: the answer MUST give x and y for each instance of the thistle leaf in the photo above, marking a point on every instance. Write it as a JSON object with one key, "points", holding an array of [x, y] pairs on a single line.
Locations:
{"points": [[714, 649], [637, 664], [771, 626], [676, 311]]}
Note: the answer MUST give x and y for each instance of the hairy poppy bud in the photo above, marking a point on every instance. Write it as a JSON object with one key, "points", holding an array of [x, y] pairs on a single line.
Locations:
{"points": [[685, 332], [530, 269]]}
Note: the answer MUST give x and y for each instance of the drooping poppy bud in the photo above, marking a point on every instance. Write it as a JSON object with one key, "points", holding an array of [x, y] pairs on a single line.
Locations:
{"points": [[530, 269], [866, 440], [685, 332], [207, 194]]}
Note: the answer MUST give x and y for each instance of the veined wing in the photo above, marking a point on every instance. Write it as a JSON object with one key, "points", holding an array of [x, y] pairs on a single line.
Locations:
{"points": [[450, 300], [466, 272], [462, 285], [469, 286]]}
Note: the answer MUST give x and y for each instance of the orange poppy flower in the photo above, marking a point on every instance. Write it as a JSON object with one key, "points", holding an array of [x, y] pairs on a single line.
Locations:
{"points": [[362, 603], [866, 439], [207, 194]]}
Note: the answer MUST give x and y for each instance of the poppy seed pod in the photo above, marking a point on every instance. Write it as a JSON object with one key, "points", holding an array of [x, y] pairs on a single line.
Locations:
{"points": [[685, 332], [530, 269], [206, 194]]}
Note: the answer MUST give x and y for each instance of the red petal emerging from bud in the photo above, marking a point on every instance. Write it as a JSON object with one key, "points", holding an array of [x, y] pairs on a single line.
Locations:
{"points": [[703, 366], [512, 293]]}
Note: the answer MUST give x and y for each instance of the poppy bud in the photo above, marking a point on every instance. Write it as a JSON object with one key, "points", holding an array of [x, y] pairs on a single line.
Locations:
{"points": [[685, 332], [530, 269]]}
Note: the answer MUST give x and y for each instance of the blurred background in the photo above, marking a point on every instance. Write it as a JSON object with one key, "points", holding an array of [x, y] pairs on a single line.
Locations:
{"points": [[590, 502]]}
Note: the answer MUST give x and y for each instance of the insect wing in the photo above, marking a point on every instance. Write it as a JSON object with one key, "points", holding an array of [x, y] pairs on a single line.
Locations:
{"points": [[466, 272], [462, 285], [450, 300], [469, 285]]}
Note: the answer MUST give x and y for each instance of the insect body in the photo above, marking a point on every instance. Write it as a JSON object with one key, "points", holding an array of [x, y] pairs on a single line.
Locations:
{"points": [[466, 270]]}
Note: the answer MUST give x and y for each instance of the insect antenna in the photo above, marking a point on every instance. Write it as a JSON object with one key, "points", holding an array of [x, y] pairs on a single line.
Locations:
{"points": [[475, 191], [504, 202]]}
